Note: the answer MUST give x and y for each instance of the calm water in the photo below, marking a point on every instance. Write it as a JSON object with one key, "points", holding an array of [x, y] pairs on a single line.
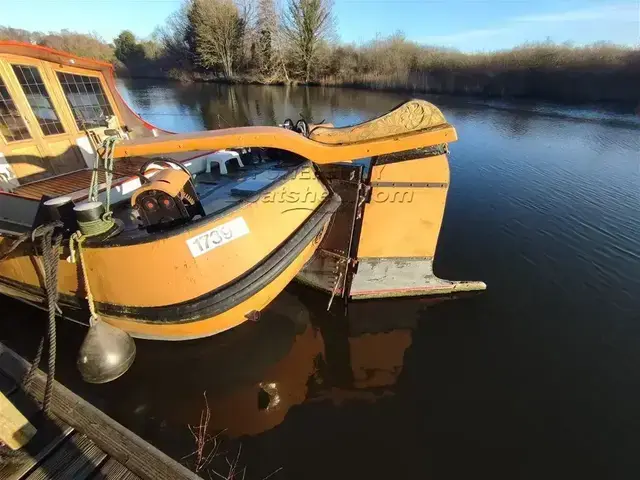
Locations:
{"points": [[539, 377]]}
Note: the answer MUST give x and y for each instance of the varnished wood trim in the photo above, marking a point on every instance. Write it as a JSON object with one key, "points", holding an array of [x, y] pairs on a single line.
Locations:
{"points": [[409, 116], [276, 137]]}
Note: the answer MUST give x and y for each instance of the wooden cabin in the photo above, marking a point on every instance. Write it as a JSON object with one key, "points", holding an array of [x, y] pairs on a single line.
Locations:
{"points": [[54, 109]]}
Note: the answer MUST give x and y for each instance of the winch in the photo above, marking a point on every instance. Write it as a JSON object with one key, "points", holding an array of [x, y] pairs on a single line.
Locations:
{"points": [[169, 199]]}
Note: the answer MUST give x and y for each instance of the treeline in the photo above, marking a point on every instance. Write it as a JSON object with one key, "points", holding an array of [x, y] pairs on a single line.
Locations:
{"points": [[238, 40], [564, 73], [81, 44], [255, 41]]}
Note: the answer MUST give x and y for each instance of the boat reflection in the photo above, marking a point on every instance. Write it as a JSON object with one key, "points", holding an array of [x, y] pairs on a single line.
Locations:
{"points": [[249, 376], [364, 348], [297, 353]]}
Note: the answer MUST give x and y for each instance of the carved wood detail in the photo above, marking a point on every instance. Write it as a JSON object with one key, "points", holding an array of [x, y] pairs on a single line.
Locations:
{"points": [[409, 117]]}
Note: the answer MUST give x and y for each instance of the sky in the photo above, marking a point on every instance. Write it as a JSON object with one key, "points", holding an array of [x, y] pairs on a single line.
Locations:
{"points": [[468, 25]]}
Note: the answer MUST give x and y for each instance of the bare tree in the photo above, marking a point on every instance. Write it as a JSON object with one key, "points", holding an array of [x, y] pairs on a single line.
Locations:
{"points": [[19, 35], [176, 37], [248, 12], [267, 29], [247, 34], [307, 23], [81, 44], [218, 31]]}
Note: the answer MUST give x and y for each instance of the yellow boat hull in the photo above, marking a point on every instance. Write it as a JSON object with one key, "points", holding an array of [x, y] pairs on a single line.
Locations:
{"points": [[156, 287]]}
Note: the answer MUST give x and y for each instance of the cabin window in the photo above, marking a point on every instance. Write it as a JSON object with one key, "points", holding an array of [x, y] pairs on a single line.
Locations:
{"points": [[87, 99], [12, 126], [33, 86]]}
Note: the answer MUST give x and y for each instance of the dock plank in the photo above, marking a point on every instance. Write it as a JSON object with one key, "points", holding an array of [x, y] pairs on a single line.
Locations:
{"points": [[126, 447], [51, 433], [77, 459], [114, 470], [48, 438], [15, 429]]}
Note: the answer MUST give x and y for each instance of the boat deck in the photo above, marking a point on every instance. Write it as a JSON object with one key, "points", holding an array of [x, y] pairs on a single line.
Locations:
{"points": [[80, 180], [79, 442], [218, 193], [77, 181]]}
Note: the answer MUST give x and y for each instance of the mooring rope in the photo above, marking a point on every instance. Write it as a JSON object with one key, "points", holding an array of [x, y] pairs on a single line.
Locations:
{"points": [[50, 243], [16, 243], [106, 156], [105, 223], [75, 246]]}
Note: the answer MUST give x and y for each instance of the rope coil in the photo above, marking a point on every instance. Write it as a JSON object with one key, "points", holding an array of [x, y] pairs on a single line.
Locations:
{"points": [[92, 228]]}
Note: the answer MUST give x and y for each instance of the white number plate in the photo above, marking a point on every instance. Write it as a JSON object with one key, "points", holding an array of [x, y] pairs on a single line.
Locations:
{"points": [[215, 237]]}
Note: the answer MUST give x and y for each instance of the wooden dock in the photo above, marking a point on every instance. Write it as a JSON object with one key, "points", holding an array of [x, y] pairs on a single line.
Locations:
{"points": [[79, 442]]}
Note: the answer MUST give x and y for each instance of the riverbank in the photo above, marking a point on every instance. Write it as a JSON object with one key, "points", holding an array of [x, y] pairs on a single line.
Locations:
{"points": [[563, 88], [548, 72]]}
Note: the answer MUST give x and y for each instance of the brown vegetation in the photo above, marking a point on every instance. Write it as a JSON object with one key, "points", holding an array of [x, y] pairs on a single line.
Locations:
{"points": [[203, 453], [81, 44], [208, 448], [599, 72], [251, 41]]}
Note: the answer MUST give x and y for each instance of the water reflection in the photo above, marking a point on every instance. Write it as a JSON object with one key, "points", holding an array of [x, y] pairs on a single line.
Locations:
{"points": [[191, 107], [253, 375], [181, 108]]}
